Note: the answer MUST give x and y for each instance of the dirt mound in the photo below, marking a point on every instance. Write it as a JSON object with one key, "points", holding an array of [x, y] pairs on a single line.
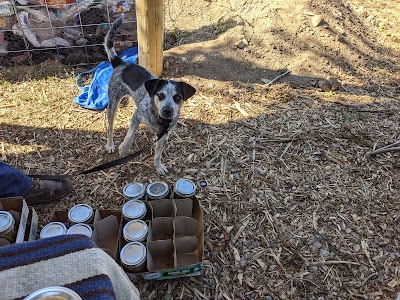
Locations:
{"points": [[254, 40]]}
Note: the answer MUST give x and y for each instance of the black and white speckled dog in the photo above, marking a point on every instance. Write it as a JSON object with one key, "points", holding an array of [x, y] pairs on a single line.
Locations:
{"points": [[158, 101]]}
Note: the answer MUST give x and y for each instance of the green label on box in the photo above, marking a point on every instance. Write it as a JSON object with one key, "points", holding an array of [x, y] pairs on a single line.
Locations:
{"points": [[193, 270]]}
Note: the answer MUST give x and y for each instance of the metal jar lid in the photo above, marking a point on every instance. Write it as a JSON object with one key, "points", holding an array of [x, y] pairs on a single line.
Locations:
{"points": [[133, 254], [157, 190], [135, 231], [80, 213], [6, 222], [134, 190], [81, 228], [54, 292], [53, 229], [134, 209], [185, 187]]}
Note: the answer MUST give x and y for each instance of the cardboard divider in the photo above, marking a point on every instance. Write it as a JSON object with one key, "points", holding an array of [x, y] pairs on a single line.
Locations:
{"points": [[161, 228], [184, 207], [106, 230], [32, 226], [184, 226], [162, 208], [160, 255], [59, 216], [186, 251]]}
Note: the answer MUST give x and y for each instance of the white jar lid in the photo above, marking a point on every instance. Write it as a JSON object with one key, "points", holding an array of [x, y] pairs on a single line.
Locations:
{"points": [[53, 229], [133, 254], [6, 222], [134, 209], [157, 190], [135, 231], [185, 187], [134, 190], [80, 213], [81, 228]]}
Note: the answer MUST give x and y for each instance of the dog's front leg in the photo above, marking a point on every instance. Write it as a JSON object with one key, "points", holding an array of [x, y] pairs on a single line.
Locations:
{"points": [[160, 147], [130, 136]]}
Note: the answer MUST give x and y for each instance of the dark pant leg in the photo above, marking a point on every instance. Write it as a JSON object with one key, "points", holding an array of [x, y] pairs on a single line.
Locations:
{"points": [[13, 182]]}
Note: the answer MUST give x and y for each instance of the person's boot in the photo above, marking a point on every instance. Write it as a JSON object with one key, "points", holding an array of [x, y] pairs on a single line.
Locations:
{"points": [[46, 191]]}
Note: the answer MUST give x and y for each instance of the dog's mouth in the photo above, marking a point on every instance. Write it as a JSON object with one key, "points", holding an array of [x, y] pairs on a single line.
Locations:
{"points": [[167, 119]]}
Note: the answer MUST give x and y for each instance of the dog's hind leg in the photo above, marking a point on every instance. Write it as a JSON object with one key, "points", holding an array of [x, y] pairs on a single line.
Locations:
{"points": [[115, 96], [130, 136]]}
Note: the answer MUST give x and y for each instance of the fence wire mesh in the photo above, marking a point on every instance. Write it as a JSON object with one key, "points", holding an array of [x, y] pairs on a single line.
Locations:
{"points": [[70, 31]]}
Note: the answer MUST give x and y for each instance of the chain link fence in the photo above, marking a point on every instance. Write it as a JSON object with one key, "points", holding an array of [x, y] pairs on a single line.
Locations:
{"points": [[70, 31]]}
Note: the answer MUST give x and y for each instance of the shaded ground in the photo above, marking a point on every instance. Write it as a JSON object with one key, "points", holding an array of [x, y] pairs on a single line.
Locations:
{"points": [[293, 208]]}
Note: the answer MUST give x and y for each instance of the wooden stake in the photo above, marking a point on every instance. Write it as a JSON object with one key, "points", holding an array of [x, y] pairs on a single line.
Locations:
{"points": [[150, 31]]}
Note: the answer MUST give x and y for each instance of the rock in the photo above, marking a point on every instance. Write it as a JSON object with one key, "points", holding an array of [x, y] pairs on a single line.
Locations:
{"points": [[241, 44], [362, 12], [340, 38], [265, 80], [183, 58], [335, 84], [243, 263], [317, 245], [268, 297], [308, 11], [317, 20], [324, 85], [325, 253]]}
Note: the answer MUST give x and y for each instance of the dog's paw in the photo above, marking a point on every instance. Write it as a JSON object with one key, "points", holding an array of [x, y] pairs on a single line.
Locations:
{"points": [[123, 149], [110, 148], [161, 169]]}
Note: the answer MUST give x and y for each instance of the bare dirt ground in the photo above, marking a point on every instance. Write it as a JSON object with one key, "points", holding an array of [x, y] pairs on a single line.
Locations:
{"points": [[293, 208]]}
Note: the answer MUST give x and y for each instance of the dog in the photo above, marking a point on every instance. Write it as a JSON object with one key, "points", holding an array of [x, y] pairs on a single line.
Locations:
{"points": [[158, 101]]}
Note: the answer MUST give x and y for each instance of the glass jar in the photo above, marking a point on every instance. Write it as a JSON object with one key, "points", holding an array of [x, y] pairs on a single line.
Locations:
{"points": [[184, 188], [8, 230], [81, 213], [134, 190], [54, 292], [133, 257], [81, 228], [134, 209], [135, 231], [157, 190], [53, 229]]}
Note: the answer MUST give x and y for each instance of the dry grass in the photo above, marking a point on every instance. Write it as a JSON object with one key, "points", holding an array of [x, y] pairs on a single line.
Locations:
{"points": [[293, 208]]}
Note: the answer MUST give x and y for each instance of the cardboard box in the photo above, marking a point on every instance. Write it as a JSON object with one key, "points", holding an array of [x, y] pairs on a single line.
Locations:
{"points": [[106, 227], [175, 244], [20, 211]]}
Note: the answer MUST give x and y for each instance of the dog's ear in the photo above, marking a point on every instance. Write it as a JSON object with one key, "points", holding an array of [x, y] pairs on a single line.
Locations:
{"points": [[188, 90], [151, 86]]}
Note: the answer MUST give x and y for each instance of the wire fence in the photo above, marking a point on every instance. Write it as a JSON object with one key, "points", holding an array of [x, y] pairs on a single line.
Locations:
{"points": [[70, 31]]}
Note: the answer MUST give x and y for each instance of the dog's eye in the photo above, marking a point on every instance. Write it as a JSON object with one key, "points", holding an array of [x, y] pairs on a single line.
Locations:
{"points": [[160, 96], [177, 98]]}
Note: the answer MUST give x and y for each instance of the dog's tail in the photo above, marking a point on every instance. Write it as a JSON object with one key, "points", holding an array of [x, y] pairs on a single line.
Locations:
{"points": [[109, 42]]}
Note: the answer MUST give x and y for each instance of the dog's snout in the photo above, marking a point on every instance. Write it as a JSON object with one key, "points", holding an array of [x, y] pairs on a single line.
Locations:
{"points": [[167, 112]]}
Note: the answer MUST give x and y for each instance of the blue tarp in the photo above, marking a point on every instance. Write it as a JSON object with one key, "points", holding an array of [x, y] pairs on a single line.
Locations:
{"points": [[95, 95]]}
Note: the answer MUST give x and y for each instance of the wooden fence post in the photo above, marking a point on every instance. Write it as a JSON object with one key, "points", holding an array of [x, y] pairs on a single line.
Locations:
{"points": [[150, 32]]}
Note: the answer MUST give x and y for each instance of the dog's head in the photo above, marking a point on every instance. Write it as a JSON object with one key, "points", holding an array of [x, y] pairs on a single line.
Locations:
{"points": [[169, 96]]}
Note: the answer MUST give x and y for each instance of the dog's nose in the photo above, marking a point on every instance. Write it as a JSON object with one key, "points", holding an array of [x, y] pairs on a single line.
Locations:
{"points": [[167, 112]]}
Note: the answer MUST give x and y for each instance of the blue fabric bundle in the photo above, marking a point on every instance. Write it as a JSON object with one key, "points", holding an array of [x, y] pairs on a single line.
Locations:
{"points": [[95, 95]]}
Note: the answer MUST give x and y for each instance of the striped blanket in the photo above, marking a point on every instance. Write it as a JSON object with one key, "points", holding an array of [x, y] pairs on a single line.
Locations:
{"points": [[72, 261]]}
